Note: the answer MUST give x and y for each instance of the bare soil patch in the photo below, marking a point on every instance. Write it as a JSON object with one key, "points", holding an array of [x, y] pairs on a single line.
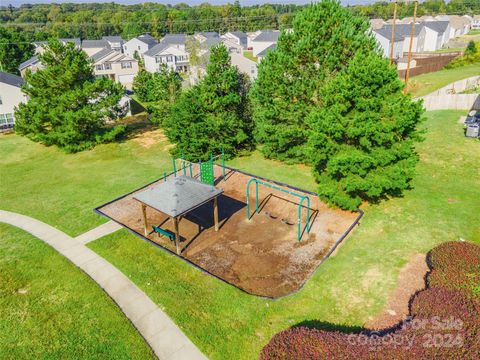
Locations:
{"points": [[411, 280], [260, 256]]}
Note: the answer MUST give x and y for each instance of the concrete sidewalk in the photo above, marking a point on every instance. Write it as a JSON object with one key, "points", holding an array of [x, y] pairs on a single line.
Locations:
{"points": [[165, 338]]}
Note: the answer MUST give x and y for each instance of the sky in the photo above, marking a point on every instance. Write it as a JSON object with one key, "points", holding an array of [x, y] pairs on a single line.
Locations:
{"points": [[190, 2]]}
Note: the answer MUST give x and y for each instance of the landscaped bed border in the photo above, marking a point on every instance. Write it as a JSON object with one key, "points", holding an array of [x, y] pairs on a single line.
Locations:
{"points": [[324, 258]]}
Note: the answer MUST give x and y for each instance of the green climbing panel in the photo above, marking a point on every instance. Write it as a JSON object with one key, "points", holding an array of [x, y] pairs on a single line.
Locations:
{"points": [[206, 172]]}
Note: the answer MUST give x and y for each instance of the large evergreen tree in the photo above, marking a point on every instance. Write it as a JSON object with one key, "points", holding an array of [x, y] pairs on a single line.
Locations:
{"points": [[324, 38], [67, 106], [362, 134], [213, 114], [15, 48]]}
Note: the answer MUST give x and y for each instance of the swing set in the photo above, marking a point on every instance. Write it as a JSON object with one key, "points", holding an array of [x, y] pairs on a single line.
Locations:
{"points": [[302, 198]]}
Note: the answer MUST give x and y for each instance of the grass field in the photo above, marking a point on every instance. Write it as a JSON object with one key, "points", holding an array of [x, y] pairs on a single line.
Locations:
{"points": [[51, 310], [224, 322], [426, 83]]}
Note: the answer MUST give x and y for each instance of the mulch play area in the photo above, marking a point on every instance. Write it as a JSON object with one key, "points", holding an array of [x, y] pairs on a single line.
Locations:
{"points": [[261, 256]]}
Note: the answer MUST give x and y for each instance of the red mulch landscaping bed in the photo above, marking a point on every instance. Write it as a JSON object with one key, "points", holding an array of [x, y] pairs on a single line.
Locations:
{"points": [[444, 321]]}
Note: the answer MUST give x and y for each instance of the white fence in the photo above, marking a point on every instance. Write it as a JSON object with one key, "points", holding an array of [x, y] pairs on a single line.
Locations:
{"points": [[448, 97]]}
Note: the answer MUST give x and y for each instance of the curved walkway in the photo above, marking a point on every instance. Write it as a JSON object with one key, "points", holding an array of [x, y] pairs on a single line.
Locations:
{"points": [[165, 338]]}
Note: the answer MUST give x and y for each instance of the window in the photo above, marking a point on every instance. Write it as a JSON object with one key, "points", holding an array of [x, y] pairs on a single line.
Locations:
{"points": [[157, 59], [169, 58], [99, 67], [108, 66], [139, 47], [6, 121], [1, 100], [127, 65]]}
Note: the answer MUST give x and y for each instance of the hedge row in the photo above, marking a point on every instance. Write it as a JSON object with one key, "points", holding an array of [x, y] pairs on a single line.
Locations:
{"points": [[444, 321]]}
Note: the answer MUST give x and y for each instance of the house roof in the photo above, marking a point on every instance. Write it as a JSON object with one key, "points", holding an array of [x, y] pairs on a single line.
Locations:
{"points": [[101, 54], [31, 61], [178, 196], [95, 44], [147, 39], [209, 34], [402, 31], [168, 40], [156, 49], [267, 35], [386, 32], [239, 34], [265, 51], [458, 22], [108, 55], [438, 26], [11, 79], [114, 39], [174, 39]]}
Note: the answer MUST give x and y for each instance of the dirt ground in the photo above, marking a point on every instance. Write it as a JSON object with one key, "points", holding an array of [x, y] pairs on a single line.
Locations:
{"points": [[262, 255]]}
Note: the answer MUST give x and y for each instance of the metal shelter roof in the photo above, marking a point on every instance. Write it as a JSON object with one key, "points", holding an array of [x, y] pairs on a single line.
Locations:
{"points": [[178, 196]]}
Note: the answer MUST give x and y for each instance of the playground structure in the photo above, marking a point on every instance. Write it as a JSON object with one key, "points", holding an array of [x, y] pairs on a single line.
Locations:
{"points": [[258, 254]]}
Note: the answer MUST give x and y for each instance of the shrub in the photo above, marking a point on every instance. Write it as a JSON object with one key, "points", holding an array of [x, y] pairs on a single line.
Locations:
{"points": [[444, 321], [456, 265]]}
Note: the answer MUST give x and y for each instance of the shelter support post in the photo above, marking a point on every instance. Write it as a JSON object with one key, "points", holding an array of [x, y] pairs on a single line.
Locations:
{"points": [[144, 214], [215, 212], [177, 236]]}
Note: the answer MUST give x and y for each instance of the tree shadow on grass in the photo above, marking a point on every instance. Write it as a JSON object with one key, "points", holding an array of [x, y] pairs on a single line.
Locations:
{"points": [[326, 326]]}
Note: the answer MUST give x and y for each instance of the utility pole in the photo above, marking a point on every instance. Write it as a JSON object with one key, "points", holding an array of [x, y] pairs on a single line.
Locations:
{"points": [[407, 73], [393, 31]]}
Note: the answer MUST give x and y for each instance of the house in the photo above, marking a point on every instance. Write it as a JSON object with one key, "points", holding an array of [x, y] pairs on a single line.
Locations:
{"points": [[171, 51], [384, 39], [140, 45], [33, 64], [116, 66], [206, 35], [244, 65], [476, 22], [263, 40], [91, 47], [261, 55], [40, 45], [114, 42], [437, 34], [11, 96], [232, 46], [459, 25], [377, 23], [236, 37], [405, 31]]}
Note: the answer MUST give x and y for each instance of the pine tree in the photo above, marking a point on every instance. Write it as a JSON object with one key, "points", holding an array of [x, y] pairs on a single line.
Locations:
{"points": [[324, 38], [363, 134], [67, 106], [213, 114], [15, 48]]}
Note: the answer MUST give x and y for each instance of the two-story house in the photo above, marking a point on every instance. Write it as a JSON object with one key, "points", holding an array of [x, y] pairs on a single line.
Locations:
{"points": [[384, 39], [115, 65], [139, 45], [236, 37], [476, 22], [171, 51], [263, 40], [11, 95]]}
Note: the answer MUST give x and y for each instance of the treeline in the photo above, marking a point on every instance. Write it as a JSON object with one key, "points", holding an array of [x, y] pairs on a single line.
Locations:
{"points": [[43, 21], [95, 20], [384, 9]]}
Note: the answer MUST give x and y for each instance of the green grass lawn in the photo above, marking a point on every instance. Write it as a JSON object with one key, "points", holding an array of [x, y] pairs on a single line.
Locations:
{"points": [[249, 55], [426, 83], [51, 310], [224, 322]]}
